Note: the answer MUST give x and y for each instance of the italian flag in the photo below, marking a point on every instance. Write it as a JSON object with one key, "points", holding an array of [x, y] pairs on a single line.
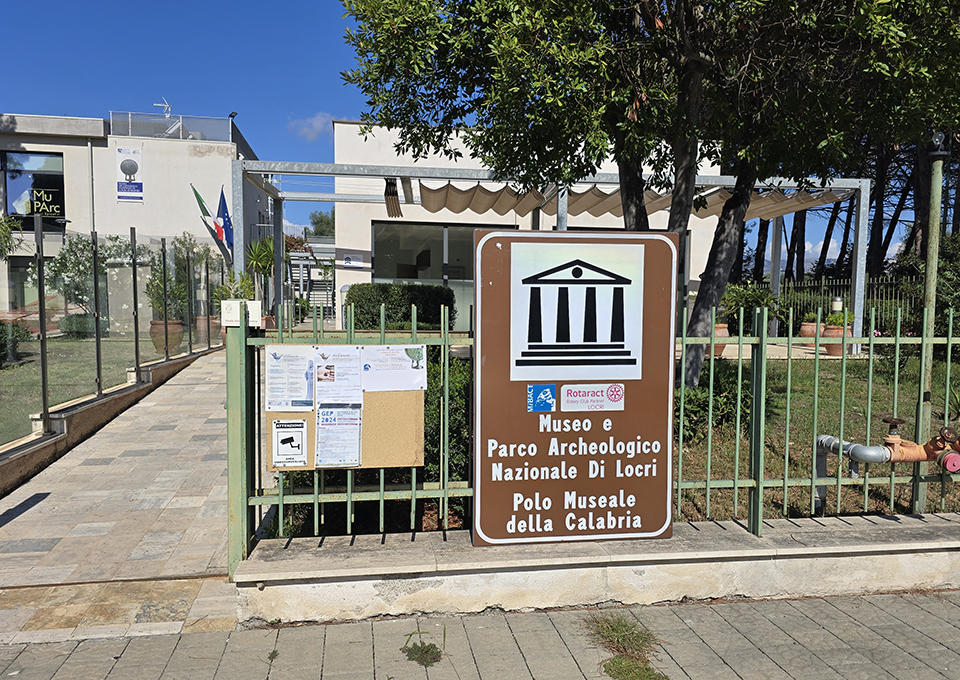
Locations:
{"points": [[206, 214]]}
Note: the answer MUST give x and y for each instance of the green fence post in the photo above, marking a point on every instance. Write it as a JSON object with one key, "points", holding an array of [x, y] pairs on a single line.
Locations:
{"points": [[240, 421], [758, 391]]}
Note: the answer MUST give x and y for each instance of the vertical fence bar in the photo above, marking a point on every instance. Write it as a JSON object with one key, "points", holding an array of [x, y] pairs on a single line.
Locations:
{"points": [[316, 492], [946, 406], [382, 490], [209, 301], [816, 413], [896, 398], [843, 399], [240, 436], [758, 391], [866, 437], [413, 470], [42, 312], [383, 323], [190, 300], [713, 339], [136, 304], [786, 434], [315, 337], [166, 304], [349, 502], [280, 505], [922, 428], [97, 346], [736, 447], [445, 320], [683, 394]]}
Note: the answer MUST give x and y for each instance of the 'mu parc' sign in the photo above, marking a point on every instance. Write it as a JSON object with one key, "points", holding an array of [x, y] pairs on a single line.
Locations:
{"points": [[575, 355]]}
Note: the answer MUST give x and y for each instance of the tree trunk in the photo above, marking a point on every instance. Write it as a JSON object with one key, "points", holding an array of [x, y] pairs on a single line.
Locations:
{"points": [[875, 251], [921, 198], [723, 253], [895, 218], [632, 186], [799, 243], [955, 224], [841, 258], [827, 236], [761, 253]]}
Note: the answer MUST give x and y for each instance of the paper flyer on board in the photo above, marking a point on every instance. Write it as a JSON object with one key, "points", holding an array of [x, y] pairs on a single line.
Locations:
{"points": [[338, 375], [289, 443], [339, 399], [393, 368], [338, 435], [290, 372]]}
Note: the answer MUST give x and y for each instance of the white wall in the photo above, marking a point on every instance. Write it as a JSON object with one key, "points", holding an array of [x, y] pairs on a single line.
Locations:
{"points": [[354, 220]]}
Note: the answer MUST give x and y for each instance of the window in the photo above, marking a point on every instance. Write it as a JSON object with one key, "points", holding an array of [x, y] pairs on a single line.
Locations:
{"points": [[33, 184]]}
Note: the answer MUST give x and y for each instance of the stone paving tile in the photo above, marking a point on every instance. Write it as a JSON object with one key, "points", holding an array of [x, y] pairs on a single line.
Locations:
{"points": [[348, 651], [458, 662], [494, 648], [300, 654], [389, 638], [543, 650], [247, 655]]}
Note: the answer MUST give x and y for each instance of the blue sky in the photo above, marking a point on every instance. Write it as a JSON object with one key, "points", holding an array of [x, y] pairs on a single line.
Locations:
{"points": [[277, 64]]}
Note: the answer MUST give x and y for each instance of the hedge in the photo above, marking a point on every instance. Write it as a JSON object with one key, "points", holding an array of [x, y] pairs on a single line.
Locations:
{"points": [[398, 298]]}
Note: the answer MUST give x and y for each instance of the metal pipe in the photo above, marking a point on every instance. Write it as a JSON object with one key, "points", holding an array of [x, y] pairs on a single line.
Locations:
{"points": [[98, 348], [136, 305], [858, 452]]}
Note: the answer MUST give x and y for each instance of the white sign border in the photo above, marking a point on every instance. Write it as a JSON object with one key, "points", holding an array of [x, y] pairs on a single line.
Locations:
{"points": [[478, 433]]}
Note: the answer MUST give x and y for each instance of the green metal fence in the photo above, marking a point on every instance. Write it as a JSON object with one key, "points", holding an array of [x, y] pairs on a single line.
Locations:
{"points": [[744, 439]]}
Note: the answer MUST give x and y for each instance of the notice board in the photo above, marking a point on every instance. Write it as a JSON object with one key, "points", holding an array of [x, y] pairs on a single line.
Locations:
{"points": [[344, 406], [574, 386]]}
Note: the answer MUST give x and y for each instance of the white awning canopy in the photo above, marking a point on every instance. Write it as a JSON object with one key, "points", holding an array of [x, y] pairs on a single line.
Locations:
{"points": [[765, 204]]}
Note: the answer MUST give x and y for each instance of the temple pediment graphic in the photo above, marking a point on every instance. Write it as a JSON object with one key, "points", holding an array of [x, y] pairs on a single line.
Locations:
{"points": [[577, 273]]}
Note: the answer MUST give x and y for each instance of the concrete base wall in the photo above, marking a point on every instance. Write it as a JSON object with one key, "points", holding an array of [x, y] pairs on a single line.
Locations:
{"points": [[836, 560], [75, 421]]}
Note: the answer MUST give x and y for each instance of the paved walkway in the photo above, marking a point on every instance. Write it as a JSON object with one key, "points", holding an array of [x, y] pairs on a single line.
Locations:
{"points": [[911, 636], [83, 543]]}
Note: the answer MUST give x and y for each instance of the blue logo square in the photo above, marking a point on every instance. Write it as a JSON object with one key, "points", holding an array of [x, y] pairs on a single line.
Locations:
{"points": [[541, 398]]}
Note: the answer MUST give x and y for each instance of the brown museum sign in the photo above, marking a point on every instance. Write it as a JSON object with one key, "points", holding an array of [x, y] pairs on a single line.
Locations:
{"points": [[575, 356]]}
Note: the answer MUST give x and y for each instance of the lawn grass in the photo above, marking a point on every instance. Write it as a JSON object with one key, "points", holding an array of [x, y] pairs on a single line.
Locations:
{"points": [[854, 395], [72, 370]]}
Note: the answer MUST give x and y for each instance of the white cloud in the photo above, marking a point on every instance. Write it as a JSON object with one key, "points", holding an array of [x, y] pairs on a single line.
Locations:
{"points": [[312, 128], [894, 250], [833, 251]]}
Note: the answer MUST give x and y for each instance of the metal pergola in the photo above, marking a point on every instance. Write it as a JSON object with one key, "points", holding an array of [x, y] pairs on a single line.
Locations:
{"points": [[250, 173]]}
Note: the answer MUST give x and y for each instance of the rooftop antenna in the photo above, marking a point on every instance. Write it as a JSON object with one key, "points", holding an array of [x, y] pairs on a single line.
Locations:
{"points": [[166, 107]]}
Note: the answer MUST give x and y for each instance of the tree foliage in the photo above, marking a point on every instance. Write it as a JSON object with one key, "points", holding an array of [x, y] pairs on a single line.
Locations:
{"points": [[323, 223], [543, 91], [11, 230]]}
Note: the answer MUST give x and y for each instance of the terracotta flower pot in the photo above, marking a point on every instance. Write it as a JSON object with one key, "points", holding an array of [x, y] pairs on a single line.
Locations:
{"points": [[720, 330], [809, 329], [835, 350], [174, 335]]}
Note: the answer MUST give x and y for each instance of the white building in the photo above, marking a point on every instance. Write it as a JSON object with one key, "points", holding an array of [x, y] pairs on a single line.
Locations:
{"points": [[79, 169]]}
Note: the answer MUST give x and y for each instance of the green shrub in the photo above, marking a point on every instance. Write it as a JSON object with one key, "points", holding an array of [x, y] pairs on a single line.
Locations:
{"points": [[81, 326], [461, 430], [11, 335], [696, 402], [397, 298], [839, 319], [747, 297]]}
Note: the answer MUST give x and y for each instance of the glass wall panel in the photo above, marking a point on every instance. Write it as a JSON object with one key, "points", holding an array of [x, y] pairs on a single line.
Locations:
{"points": [[19, 351], [408, 252], [71, 333], [116, 310]]}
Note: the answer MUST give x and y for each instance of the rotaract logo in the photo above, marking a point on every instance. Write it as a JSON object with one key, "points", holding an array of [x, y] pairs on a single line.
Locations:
{"points": [[615, 392]]}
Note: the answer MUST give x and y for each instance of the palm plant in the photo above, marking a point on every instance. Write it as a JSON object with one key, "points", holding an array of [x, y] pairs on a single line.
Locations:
{"points": [[260, 258]]}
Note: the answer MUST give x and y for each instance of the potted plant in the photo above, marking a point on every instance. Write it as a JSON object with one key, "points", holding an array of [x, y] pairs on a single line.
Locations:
{"points": [[809, 327], [260, 259], [837, 325], [233, 288], [175, 299]]}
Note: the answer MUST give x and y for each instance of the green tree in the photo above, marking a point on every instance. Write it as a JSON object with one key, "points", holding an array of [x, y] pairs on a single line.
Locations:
{"points": [[323, 223], [542, 92], [9, 241]]}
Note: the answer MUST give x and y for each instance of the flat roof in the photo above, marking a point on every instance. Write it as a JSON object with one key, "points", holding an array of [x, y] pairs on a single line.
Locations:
{"points": [[59, 126]]}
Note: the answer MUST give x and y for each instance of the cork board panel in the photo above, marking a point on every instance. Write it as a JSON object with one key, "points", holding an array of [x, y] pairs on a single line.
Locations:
{"points": [[391, 434]]}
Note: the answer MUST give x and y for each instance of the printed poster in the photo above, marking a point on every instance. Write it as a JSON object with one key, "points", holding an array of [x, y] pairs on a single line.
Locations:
{"points": [[289, 443], [339, 399], [393, 368], [290, 370], [130, 174]]}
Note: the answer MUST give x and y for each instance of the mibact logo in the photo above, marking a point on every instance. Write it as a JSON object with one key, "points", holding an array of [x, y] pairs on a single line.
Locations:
{"points": [[541, 398]]}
